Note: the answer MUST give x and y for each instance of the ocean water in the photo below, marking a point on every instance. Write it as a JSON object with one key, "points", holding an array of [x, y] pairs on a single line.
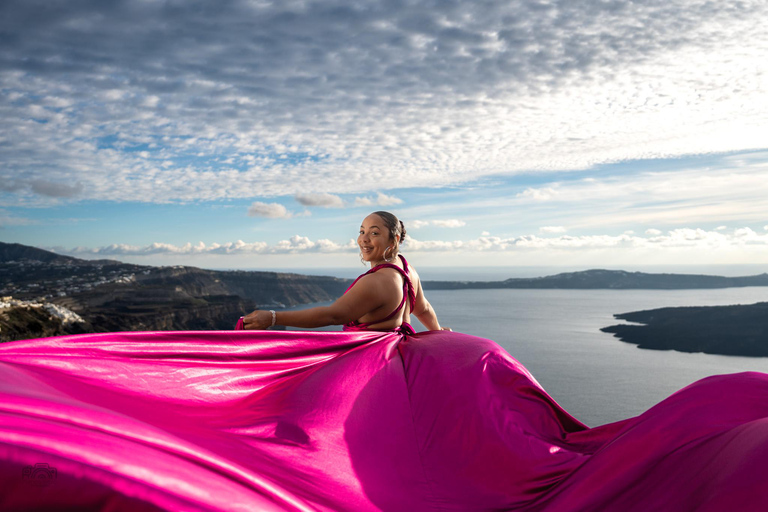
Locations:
{"points": [[594, 376]]}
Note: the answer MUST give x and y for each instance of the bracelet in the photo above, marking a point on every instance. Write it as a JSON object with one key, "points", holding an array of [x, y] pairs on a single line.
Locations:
{"points": [[274, 317]]}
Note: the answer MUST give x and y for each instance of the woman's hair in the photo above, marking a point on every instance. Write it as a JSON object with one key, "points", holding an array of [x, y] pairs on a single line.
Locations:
{"points": [[395, 226]]}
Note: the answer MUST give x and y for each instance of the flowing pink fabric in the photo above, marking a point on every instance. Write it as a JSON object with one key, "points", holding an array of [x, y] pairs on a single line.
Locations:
{"points": [[352, 421]]}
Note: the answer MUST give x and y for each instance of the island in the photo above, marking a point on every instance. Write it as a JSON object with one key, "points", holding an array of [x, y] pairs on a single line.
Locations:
{"points": [[738, 330]]}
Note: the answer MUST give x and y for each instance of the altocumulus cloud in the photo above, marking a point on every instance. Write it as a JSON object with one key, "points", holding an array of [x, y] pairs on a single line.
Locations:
{"points": [[172, 101]]}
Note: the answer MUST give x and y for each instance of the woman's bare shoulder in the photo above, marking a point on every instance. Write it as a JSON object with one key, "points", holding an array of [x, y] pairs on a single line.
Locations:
{"points": [[374, 279]]}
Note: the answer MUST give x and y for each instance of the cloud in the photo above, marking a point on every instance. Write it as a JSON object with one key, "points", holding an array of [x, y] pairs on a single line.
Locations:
{"points": [[269, 210], [447, 223], [47, 188], [725, 189], [139, 101], [692, 240], [681, 238], [381, 199], [325, 200], [540, 194], [295, 244], [12, 220], [721, 228], [552, 229], [652, 232]]}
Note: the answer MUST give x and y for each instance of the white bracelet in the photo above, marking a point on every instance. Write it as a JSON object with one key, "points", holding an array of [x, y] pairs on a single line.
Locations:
{"points": [[274, 317]]}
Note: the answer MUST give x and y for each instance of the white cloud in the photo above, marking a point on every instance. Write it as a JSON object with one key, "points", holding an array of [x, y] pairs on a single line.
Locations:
{"points": [[269, 210], [652, 232], [721, 228], [733, 190], [539, 194], [676, 246], [485, 233], [446, 223], [380, 200], [324, 199], [449, 223], [387, 200], [369, 97], [295, 244], [417, 224], [552, 229], [698, 239]]}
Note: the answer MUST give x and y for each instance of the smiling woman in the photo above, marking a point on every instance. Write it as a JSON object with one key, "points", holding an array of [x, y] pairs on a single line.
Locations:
{"points": [[390, 286]]}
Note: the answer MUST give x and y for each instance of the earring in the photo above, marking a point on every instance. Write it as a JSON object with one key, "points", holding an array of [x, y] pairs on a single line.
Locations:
{"points": [[388, 260], [361, 259]]}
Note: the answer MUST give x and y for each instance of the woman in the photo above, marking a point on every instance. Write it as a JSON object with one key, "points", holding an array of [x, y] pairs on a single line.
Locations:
{"points": [[382, 299], [377, 418]]}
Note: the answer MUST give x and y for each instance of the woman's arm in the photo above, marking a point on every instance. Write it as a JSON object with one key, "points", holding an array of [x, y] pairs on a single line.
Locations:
{"points": [[363, 298]]}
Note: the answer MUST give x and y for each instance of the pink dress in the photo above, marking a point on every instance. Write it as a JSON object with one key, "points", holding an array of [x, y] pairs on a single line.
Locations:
{"points": [[352, 421]]}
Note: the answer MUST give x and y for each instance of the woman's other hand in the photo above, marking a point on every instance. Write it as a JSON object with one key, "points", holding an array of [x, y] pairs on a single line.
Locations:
{"points": [[446, 329], [257, 321]]}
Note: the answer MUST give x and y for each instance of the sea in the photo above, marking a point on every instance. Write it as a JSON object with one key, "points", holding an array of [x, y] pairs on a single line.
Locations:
{"points": [[556, 335]]}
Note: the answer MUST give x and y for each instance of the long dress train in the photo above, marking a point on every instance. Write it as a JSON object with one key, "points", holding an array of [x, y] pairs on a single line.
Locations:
{"points": [[351, 421]]}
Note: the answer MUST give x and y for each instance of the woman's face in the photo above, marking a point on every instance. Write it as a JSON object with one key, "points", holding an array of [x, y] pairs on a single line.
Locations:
{"points": [[374, 239]]}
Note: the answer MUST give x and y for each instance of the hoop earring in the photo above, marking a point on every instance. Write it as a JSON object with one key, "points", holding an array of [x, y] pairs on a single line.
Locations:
{"points": [[361, 259], [388, 260]]}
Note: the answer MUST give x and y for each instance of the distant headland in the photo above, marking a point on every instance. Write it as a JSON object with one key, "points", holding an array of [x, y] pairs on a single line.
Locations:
{"points": [[608, 279], [47, 294], [728, 330]]}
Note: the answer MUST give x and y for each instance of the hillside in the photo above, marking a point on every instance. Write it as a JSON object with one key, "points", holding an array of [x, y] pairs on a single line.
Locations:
{"points": [[113, 296]]}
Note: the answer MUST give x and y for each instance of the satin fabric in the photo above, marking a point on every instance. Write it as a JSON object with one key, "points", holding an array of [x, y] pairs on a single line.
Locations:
{"points": [[353, 421]]}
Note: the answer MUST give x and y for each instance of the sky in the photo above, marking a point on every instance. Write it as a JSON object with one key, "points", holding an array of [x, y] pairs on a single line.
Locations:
{"points": [[258, 134]]}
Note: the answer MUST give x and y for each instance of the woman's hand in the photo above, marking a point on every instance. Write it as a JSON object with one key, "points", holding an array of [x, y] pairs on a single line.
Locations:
{"points": [[258, 320], [446, 329]]}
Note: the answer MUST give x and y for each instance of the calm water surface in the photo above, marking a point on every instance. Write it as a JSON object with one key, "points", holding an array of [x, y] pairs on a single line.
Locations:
{"points": [[594, 376]]}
